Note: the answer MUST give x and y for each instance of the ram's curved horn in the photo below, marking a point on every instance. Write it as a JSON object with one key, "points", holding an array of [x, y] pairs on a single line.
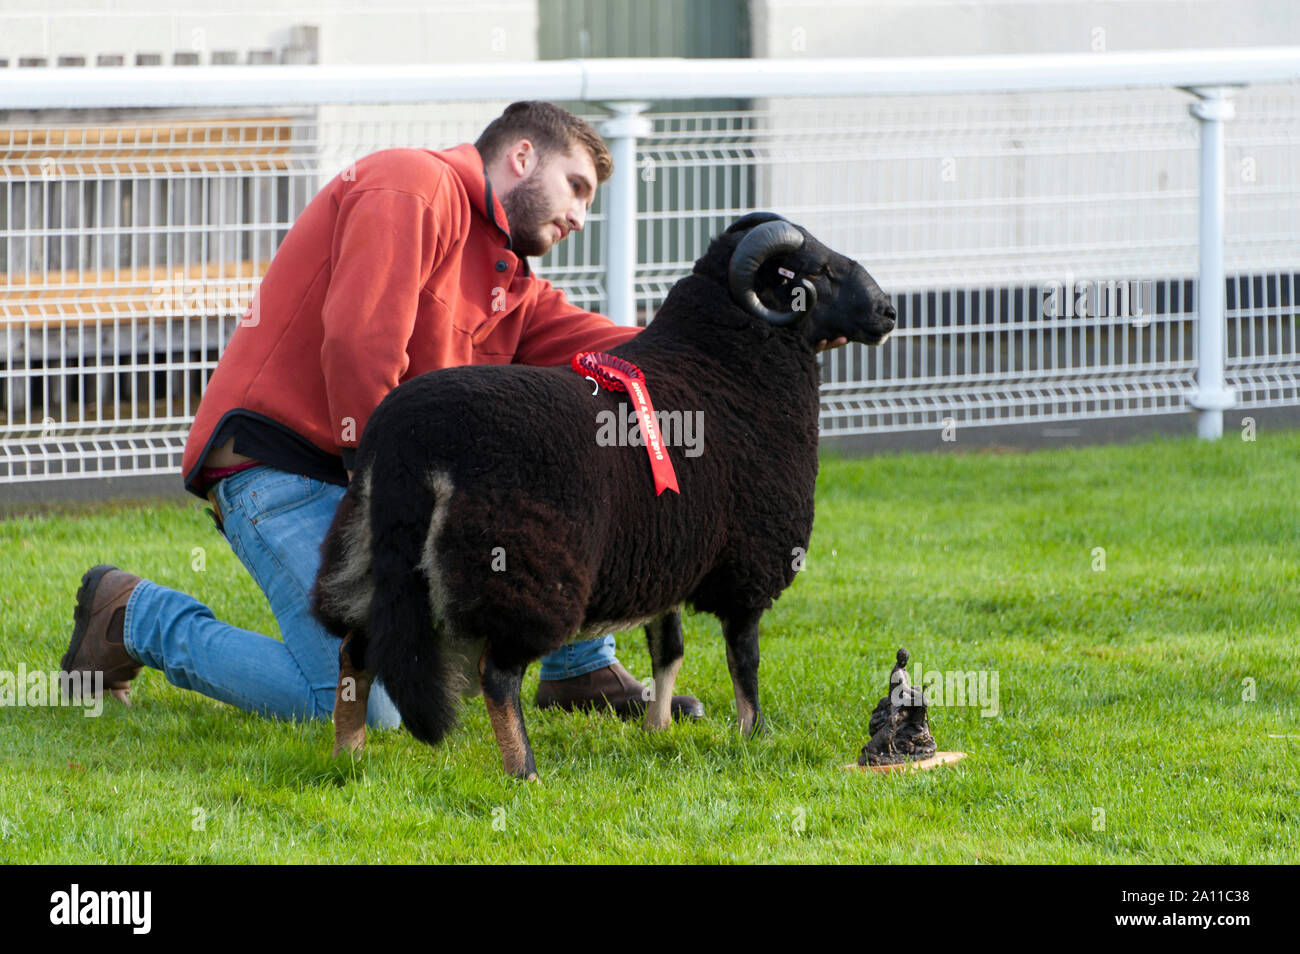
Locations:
{"points": [[763, 241]]}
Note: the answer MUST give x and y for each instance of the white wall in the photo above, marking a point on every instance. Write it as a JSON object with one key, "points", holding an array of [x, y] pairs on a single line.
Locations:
{"points": [[819, 28], [439, 31]]}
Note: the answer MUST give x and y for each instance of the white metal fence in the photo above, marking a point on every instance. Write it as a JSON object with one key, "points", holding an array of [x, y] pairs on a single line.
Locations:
{"points": [[1042, 246]]}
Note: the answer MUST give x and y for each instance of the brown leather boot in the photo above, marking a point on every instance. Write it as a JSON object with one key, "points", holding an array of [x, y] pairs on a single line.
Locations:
{"points": [[96, 644], [612, 687]]}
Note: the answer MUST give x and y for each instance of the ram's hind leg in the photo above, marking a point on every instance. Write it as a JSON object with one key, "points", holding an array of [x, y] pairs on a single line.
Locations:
{"points": [[501, 693], [741, 633], [664, 636], [352, 696]]}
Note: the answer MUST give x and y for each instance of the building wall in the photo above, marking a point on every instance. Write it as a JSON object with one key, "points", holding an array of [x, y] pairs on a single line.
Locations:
{"points": [[444, 31], [821, 28]]}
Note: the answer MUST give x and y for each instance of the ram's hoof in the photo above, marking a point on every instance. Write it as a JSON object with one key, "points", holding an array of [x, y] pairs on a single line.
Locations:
{"points": [[349, 727], [351, 742], [652, 725]]}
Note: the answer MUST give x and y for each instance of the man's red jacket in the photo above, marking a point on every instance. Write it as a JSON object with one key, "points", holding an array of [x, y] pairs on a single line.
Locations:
{"points": [[400, 265]]}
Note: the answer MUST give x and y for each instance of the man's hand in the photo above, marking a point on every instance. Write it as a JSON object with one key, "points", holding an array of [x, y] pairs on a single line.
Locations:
{"points": [[825, 345], [349, 476]]}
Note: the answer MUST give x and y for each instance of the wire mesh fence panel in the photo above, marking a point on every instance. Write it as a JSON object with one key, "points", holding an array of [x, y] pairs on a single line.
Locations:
{"points": [[1262, 247], [129, 249], [1040, 249]]}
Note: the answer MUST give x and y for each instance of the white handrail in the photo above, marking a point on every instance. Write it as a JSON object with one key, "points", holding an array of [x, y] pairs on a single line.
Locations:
{"points": [[636, 79]]}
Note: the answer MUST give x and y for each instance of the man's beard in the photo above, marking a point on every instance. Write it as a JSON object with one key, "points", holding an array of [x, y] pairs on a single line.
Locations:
{"points": [[525, 210]]}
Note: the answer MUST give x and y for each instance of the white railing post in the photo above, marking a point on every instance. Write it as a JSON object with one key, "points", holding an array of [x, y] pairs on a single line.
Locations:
{"points": [[1211, 397], [622, 131]]}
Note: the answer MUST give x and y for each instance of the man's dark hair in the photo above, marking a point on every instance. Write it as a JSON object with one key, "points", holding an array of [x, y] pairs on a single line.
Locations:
{"points": [[550, 129]]}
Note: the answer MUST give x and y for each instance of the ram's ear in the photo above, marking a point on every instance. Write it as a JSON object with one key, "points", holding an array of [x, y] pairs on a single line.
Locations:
{"points": [[747, 222]]}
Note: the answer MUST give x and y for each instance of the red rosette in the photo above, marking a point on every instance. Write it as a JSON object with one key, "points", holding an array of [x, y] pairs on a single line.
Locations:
{"points": [[609, 370], [618, 374]]}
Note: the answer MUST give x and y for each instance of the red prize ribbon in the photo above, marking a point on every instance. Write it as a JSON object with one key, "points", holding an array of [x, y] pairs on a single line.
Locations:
{"points": [[614, 374]]}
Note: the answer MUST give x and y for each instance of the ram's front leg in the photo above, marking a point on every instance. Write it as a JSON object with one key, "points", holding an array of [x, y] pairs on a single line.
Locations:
{"points": [[501, 693], [352, 696], [664, 636], [741, 634]]}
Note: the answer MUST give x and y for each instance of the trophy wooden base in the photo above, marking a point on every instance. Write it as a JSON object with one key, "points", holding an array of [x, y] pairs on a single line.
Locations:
{"points": [[921, 765]]}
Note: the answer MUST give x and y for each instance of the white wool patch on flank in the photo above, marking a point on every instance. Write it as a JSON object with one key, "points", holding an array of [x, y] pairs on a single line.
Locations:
{"points": [[348, 592], [442, 487]]}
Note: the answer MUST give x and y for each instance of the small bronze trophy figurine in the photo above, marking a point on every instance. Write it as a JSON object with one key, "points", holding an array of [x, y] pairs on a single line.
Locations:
{"points": [[900, 728]]}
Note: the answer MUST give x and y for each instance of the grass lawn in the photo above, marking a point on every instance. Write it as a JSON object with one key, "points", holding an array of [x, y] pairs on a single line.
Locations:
{"points": [[1147, 712]]}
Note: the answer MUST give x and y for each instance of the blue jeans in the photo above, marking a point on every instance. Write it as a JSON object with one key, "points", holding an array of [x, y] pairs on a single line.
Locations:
{"points": [[275, 522]]}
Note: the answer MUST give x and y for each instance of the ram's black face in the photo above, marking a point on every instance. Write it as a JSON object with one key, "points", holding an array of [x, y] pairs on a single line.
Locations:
{"points": [[830, 295], [849, 303]]}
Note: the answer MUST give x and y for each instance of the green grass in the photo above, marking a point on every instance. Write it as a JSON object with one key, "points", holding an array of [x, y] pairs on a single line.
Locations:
{"points": [[1119, 690]]}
